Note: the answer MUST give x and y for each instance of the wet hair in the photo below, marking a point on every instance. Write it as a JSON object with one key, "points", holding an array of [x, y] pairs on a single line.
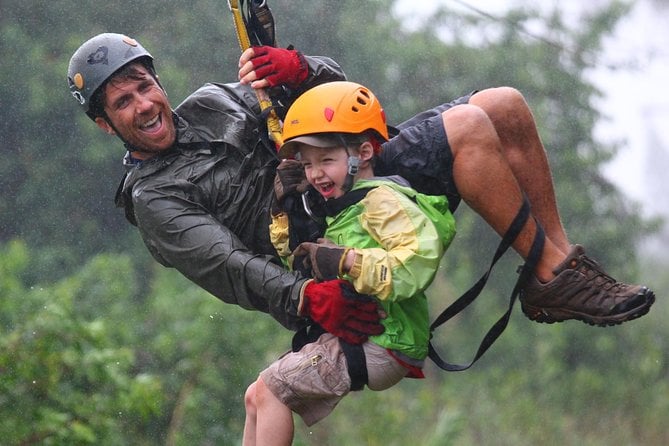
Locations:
{"points": [[126, 72], [353, 140]]}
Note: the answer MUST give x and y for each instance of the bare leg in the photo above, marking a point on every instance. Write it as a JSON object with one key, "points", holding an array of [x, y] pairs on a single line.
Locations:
{"points": [[486, 181], [251, 420], [525, 154], [498, 156], [273, 421]]}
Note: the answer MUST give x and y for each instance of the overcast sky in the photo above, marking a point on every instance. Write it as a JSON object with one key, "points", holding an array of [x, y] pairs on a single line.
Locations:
{"points": [[637, 101]]}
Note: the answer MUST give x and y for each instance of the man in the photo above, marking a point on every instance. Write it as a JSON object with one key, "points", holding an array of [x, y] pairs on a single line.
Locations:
{"points": [[199, 184], [200, 180]]}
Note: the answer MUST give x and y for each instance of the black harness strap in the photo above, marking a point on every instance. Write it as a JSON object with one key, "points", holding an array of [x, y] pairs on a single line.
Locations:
{"points": [[306, 335], [356, 364], [470, 295], [334, 207], [355, 354]]}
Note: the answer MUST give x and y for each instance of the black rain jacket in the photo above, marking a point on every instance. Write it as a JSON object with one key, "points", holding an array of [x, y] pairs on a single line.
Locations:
{"points": [[202, 206]]}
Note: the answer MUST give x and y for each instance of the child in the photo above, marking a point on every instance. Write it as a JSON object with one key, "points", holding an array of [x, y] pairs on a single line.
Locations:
{"points": [[377, 237]]}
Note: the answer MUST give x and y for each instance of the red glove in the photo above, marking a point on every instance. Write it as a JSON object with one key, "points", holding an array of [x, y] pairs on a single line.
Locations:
{"points": [[279, 66], [339, 309]]}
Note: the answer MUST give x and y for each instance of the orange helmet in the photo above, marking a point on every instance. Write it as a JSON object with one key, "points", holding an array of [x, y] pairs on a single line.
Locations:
{"points": [[333, 107]]}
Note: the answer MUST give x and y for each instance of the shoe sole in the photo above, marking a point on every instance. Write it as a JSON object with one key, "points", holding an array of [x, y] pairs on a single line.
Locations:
{"points": [[552, 315]]}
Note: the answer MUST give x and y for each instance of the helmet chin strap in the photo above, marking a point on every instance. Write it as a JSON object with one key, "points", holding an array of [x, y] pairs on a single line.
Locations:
{"points": [[353, 167]]}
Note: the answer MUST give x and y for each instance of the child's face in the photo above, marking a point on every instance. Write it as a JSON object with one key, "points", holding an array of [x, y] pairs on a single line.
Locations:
{"points": [[326, 169]]}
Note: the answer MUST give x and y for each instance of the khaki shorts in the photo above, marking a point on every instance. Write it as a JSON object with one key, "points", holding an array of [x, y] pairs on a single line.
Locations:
{"points": [[312, 381]]}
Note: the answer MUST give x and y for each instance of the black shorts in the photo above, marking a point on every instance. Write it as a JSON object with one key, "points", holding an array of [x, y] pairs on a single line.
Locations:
{"points": [[420, 153]]}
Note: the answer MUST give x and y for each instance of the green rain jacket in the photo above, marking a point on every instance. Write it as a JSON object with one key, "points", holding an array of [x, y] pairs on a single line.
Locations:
{"points": [[399, 237], [202, 207]]}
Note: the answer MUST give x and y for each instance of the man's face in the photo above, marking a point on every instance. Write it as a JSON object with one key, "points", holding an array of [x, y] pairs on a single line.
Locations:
{"points": [[140, 113]]}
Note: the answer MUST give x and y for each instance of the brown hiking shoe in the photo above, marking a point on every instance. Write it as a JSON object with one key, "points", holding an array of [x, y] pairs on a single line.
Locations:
{"points": [[582, 291]]}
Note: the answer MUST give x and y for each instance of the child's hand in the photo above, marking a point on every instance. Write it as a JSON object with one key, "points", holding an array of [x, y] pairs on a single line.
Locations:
{"points": [[289, 179], [325, 260]]}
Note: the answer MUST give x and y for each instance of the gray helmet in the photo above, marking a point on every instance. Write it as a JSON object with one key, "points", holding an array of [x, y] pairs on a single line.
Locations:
{"points": [[97, 60]]}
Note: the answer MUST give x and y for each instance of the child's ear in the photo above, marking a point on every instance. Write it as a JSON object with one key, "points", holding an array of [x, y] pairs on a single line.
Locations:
{"points": [[366, 151]]}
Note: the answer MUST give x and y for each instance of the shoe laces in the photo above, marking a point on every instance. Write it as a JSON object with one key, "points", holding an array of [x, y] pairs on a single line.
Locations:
{"points": [[594, 272]]}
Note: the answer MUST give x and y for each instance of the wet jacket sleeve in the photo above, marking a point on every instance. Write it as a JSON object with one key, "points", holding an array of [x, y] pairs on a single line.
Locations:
{"points": [[181, 234], [322, 69]]}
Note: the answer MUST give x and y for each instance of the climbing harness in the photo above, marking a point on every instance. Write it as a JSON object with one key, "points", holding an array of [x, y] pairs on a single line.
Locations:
{"points": [[261, 33]]}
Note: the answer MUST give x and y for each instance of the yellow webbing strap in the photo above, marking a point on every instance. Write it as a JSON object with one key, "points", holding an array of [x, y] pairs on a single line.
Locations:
{"points": [[273, 121]]}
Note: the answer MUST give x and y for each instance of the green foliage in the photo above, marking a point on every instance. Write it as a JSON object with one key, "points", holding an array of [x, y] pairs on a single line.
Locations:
{"points": [[62, 378], [88, 361], [99, 347]]}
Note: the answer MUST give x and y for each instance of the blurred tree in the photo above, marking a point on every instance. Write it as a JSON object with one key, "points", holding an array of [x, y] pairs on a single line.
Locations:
{"points": [[161, 362], [88, 360], [63, 379]]}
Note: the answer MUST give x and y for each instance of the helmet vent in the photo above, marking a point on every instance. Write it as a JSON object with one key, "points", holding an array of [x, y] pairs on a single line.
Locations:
{"points": [[342, 108]]}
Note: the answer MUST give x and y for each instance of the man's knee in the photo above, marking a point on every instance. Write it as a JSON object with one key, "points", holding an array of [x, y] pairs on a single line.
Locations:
{"points": [[510, 114], [490, 99], [468, 126], [505, 106]]}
